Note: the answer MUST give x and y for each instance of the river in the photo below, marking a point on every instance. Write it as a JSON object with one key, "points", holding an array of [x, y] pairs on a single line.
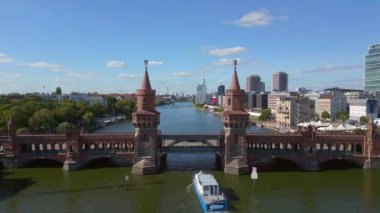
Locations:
{"points": [[50, 189]]}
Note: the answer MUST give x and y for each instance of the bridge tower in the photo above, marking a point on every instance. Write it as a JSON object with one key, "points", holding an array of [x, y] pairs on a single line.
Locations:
{"points": [[11, 148], [371, 148], [145, 121], [235, 121], [72, 148]]}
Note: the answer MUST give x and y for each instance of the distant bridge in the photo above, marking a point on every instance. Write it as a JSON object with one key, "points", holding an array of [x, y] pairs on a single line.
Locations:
{"points": [[191, 143]]}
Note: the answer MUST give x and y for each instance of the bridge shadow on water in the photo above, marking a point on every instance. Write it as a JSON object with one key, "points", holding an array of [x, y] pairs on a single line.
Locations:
{"points": [[43, 163], [191, 162], [279, 165], [99, 163], [338, 165], [11, 186]]}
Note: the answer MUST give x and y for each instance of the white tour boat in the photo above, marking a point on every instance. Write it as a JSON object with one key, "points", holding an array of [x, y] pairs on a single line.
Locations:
{"points": [[209, 192]]}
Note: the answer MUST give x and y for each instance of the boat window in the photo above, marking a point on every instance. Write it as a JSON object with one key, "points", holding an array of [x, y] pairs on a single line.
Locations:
{"points": [[216, 190], [206, 190]]}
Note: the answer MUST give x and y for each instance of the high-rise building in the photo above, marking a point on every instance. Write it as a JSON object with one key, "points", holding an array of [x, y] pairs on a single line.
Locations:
{"points": [[372, 68], [262, 86], [253, 83], [221, 90], [257, 101], [280, 82], [201, 93]]}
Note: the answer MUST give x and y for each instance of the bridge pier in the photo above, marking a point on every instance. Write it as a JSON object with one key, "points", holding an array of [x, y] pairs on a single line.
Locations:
{"points": [[70, 164], [10, 162], [372, 163]]}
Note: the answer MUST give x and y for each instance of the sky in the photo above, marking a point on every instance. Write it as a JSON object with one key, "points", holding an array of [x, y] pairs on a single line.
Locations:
{"points": [[100, 46]]}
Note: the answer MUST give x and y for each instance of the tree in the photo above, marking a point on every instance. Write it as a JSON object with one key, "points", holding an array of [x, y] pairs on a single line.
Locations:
{"points": [[42, 121], [220, 109], [58, 91], [343, 116], [98, 109], [265, 115], [22, 130], [66, 113], [62, 127], [325, 115], [111, 101], [363, 120], [88, 119]]}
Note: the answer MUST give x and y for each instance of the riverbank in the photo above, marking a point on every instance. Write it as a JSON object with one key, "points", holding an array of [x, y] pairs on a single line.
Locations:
{"points": [[266, 124], [208, 109]]}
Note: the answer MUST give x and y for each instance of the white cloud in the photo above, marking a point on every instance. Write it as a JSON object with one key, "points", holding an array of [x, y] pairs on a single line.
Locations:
{"points": [[123, 75], [334, 68], [155, 62], [226, 61], [44, 65], [226, 51], [116, 64], [257, 18], [230, 61], [58, 81], [181, 74], [5, 59], [81, 75], [11, 75]]}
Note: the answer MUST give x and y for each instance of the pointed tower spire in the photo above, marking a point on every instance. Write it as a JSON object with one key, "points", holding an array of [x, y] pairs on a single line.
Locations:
{"points": [[235, 81], [146, 83]]}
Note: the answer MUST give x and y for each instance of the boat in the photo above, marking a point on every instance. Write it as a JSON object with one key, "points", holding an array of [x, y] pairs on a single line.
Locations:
{"points": [[209, 192]]}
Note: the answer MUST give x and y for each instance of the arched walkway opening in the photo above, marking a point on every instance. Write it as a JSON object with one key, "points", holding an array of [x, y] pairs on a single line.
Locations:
{"points": [[43, 163], [337, 164]]}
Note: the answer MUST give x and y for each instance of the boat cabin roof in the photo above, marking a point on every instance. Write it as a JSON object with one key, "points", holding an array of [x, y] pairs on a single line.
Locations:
{"points": [[207, 180]]}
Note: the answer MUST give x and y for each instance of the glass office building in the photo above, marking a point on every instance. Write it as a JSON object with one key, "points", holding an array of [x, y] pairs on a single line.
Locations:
{"points": [[372, 68]]}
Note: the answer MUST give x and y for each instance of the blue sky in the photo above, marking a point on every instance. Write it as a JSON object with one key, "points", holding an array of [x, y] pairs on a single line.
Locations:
{"points": [[100, 46]]}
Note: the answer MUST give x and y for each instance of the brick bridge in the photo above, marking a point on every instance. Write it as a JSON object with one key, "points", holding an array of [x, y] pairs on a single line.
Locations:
{"points": [[146, 148]]}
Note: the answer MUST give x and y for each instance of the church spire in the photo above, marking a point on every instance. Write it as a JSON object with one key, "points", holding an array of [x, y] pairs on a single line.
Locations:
{"points": [[235, 81], [146, 83]]}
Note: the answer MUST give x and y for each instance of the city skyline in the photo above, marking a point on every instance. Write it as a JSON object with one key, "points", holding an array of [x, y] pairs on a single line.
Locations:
{"points": [[100, 47]]}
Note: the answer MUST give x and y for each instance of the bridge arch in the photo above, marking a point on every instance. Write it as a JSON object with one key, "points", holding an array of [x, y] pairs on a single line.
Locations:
{"points": [[339, 164], [98, 162], [43, 162], [280, 164]]}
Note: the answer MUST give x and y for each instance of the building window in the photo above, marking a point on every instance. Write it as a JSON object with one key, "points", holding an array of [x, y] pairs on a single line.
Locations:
{"points": [[229, 101]]}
